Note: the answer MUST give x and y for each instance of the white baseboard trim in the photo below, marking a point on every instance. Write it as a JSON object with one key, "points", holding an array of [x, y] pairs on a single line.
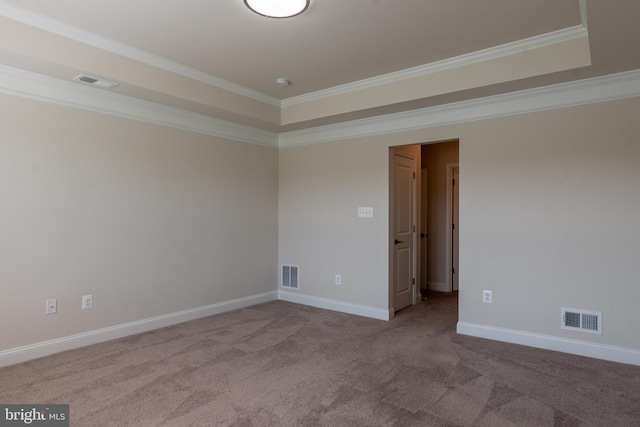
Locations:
{"points": [[549, 342], [438, 286], [340, 306], [45, 348]]}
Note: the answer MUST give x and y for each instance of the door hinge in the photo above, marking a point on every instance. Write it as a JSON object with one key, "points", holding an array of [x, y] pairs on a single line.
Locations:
{"points": [[453, 271], [454, 181], [414, 175], [414, 280], [453, 226], [414, 228]]}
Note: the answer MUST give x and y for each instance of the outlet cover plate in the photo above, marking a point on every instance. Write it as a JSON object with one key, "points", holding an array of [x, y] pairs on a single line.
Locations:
{"points": [[87, 301], [51, 306], [487, 297]]}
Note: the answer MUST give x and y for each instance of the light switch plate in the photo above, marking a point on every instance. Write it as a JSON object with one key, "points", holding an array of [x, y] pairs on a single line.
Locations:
{"points": [[365, 212]]}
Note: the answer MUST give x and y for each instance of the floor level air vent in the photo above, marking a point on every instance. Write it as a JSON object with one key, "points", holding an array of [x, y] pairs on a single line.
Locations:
{"points": [[582, 320], [290, 276]]}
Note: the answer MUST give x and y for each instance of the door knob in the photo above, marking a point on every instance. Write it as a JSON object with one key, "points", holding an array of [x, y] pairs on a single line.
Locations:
{"points": [[398, 241]]}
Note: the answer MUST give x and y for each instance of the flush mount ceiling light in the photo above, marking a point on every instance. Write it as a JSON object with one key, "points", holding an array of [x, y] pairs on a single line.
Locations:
{"points": [[278, 8]]}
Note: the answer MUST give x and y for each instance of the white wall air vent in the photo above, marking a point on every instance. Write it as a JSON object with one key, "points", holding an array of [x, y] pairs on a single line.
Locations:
{"points": [[290, 276], [94, 81], [581, 320]]}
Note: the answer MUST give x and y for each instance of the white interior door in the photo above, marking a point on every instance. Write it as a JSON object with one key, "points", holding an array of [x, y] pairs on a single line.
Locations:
{"points": [[404, 209]]}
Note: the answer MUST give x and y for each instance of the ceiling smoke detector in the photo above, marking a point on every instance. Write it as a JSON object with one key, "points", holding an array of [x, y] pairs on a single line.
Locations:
{"points": [[94, 81], [281, 81]]}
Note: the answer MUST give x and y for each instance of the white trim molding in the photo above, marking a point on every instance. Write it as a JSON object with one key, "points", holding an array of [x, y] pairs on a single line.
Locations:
{"points": [[71, 32], [60, 28], [41, 349], [519, 46], [438, 286], [14, 81], [334, 305], [548, 342], [448, 247], [26, 84], [597, 89]]}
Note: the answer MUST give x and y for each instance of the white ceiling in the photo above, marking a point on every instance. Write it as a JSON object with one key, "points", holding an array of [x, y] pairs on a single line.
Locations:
{"points": [[334, 44]]}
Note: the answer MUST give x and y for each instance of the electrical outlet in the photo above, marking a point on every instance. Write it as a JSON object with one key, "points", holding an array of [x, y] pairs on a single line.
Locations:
{"points": [[487, 297], [87, 301], [338, 279], [51, 306]]}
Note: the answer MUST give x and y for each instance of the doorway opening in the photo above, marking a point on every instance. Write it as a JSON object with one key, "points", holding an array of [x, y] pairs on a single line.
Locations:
{"points": [[440, 224], [435, 212]]}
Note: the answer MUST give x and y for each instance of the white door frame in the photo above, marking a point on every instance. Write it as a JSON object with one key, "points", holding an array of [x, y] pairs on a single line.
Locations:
{"points": [[448, 250], [423, 227]]}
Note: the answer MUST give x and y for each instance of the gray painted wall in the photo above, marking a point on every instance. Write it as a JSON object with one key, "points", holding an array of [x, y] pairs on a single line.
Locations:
{"points": [[149, 220], [547, 211]]}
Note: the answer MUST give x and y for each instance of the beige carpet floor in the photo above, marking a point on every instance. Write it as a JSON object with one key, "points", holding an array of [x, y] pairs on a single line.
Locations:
{"points": [[281, 364]]}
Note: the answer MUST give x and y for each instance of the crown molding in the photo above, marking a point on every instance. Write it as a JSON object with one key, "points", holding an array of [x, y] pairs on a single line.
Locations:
{"points": [[519, 46], [54, 26], [22, 83], [587, 91], [62, 29], [18, 82]]}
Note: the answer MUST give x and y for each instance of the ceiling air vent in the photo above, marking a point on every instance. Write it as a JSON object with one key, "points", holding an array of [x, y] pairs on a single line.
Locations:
{"points": [[93, 81], [290, 276], [582, 320]]}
